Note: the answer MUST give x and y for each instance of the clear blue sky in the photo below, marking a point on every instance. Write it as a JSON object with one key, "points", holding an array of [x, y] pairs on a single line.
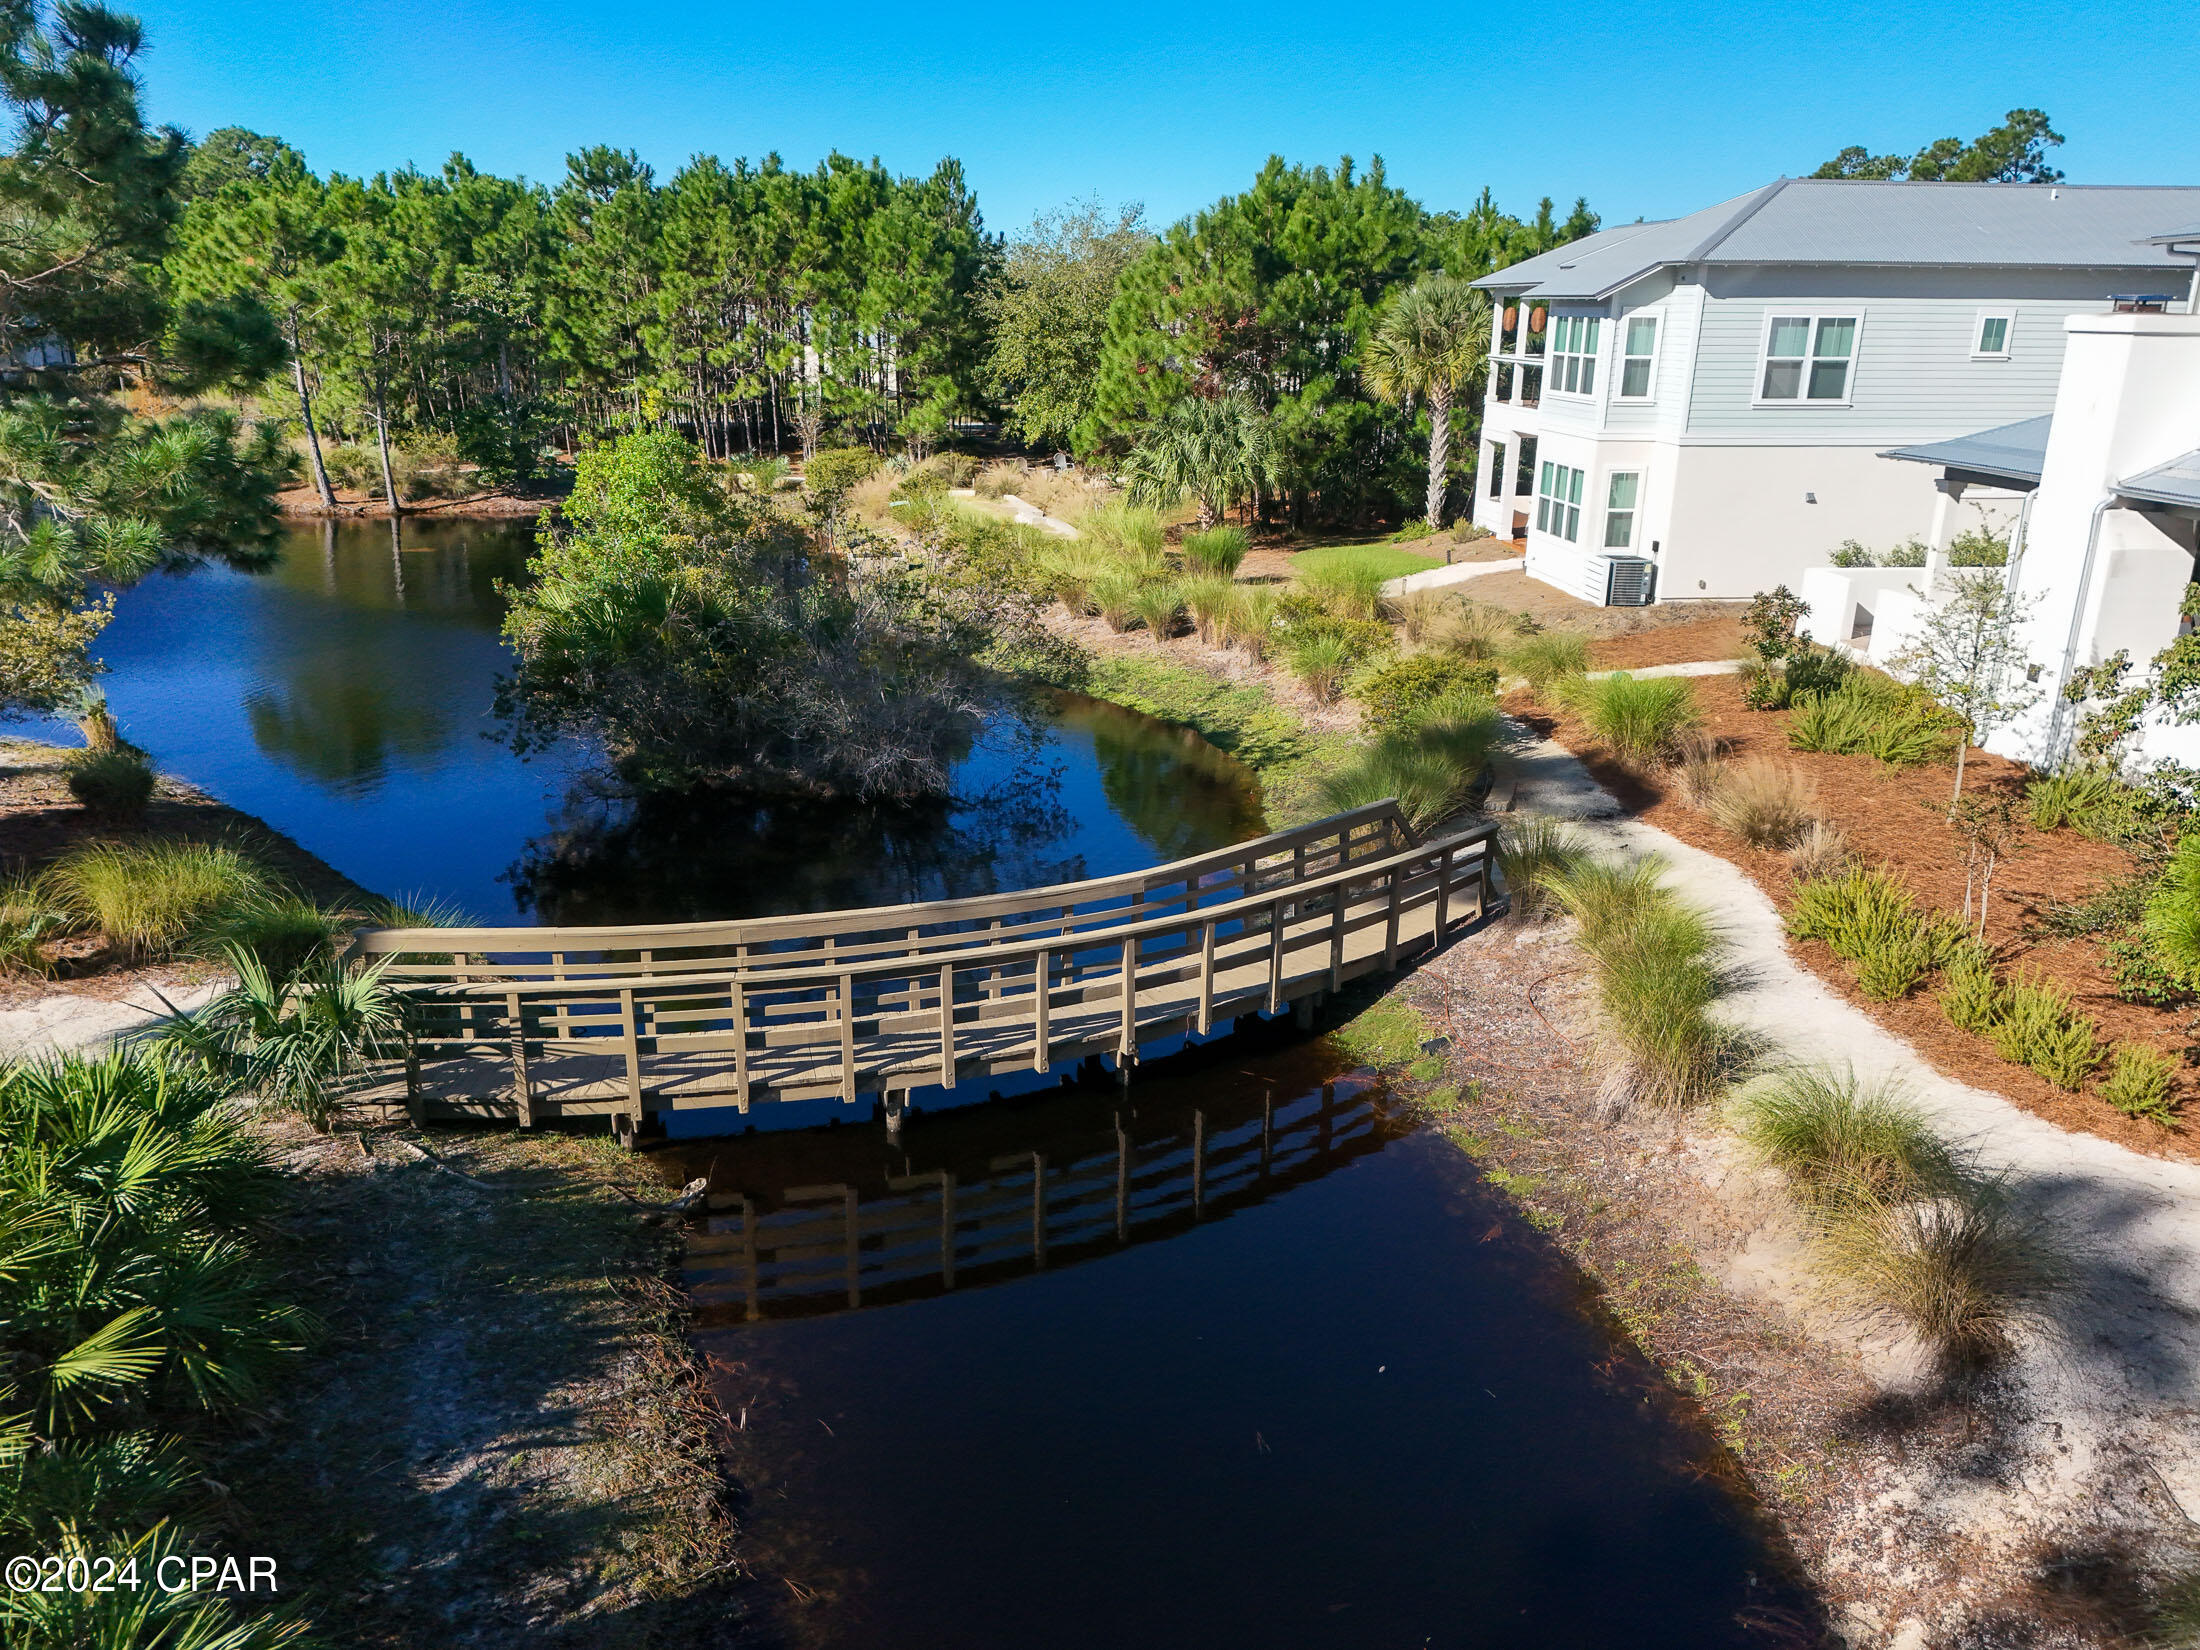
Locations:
{"points": [[1648, 109]]}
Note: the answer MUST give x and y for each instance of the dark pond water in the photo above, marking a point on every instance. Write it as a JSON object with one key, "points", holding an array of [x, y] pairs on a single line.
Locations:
{"points": [[345, 698], [1235, 1360]]}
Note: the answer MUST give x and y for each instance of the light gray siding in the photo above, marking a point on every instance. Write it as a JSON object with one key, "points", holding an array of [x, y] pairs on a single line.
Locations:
{"points": [[1913, 375]]}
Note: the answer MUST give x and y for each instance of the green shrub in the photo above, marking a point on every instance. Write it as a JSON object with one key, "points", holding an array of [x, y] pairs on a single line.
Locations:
{"points": [[1398, 690], [1532, 851], [1911, 552], [1970, 990], [1868, 920], [2038, 1026], [1852, 553], [1548, 658], [1320, 661], [1416, 529], [1807, 670], [283, 932], [2139, 1083], [151, 899], [1637, 718], [1430, 762], [2172, 920], [1977, 548], [1870, 715], [115, 783], [1218, 551], [2142, 977], [1830, 1134], [831, 473]]}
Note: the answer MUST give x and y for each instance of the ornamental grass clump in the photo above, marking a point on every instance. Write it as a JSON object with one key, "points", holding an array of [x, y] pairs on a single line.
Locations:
{"points": [[1249, 621], [115, 784], [2140, 1083], [1114, 596], [1159, 607], [1129, 531], [1821, 851], [2071, 799], [1547, 659], [1430, 763], [1767, 804], [152, 899], [2171, 922], [1345, 589], [1218, 551], [1964, 1271], [1533, 850], [1659, 968], [1320, 662], [1476, 630], [1636, 718], [28, 919], [1830, 1133], [1871, 715], [1208, 601]]}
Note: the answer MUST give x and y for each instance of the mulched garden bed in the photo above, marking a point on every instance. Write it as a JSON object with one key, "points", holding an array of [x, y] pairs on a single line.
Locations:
{"points": [[1897, 817]]}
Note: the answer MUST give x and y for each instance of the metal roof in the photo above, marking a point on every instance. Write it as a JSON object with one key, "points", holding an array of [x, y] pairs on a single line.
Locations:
{"points": [[1845, 221], [2191, 233], [2008, 452], [2177, 482]]}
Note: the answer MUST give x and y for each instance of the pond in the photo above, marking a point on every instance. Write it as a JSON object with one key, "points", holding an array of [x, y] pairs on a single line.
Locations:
{"points": [[346, 697], [1236, 1358], [1233, 1357]]}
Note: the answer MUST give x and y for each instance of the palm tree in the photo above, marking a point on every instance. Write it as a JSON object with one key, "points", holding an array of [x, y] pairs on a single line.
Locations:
{"points": [[1431, 341], [1219, 450]]}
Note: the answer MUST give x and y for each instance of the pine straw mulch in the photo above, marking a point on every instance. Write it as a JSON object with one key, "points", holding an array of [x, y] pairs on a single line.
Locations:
{"points": [[1897, 817]]}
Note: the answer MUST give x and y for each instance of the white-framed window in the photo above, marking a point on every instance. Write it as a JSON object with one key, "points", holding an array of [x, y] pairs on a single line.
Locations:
{"points": [[1808, 357], [1990, 334], [1622, 488], [1573, 368], [1558, 501], [1638, 356]]}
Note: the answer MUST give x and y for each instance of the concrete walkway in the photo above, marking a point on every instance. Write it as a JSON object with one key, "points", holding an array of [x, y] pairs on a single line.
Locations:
{"points": [[1699, 667], [2124, 1365], [1436, 578], [1030, 515]]}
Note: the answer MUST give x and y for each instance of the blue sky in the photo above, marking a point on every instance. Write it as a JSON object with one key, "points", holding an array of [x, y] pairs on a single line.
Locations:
{"points": [[1648, 109]]}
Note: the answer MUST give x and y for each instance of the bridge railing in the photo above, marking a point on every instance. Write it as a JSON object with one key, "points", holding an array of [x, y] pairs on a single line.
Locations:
{"points": [[997, 1002], [1261, 864]]}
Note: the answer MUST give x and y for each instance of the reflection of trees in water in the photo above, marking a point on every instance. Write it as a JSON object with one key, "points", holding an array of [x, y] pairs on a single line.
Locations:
{"points": [[1179, 793], [671, 858], [612, 856], [334, 722]]}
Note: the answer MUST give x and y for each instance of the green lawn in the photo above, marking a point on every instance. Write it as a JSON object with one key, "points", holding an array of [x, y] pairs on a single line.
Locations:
{"points": [[1391, 560]]}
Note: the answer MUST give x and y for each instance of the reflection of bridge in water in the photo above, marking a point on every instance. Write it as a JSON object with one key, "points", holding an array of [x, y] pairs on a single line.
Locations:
{"points": [[995, 1192]]}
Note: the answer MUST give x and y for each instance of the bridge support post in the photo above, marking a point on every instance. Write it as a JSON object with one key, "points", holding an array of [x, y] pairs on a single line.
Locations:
{"points": [[1302, 1011], [622, 1129], [897, 1103]]}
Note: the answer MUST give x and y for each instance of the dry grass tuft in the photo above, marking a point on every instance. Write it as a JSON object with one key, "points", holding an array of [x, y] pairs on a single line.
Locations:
{"points": [[1767, 804]]}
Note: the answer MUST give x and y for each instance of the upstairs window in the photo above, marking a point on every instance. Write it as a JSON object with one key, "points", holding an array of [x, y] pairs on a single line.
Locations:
{"points": [[1558, 502], [1990, 341], [1807, 358], [1573, 367], [1637, 358]]}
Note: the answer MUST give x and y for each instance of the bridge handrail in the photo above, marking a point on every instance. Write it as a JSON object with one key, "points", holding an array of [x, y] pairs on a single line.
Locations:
{"points": [[501, 951], [1008, 949]]}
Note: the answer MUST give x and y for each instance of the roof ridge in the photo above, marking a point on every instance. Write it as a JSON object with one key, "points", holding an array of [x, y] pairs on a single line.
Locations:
{"points": [[1755, 202]]}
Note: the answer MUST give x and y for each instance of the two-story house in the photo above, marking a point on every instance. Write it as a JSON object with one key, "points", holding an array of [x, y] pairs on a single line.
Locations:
{"points": [[1695, 408]]}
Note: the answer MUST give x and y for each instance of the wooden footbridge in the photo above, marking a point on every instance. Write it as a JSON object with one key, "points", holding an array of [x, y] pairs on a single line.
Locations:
{"points": [[535, 1024]]}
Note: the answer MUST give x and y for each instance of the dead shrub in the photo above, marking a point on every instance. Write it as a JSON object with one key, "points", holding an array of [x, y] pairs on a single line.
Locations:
{"points": [[1767, 804]]}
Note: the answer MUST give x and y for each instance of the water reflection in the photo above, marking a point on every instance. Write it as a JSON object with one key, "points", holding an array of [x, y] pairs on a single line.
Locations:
{"points": [[345, 695]]}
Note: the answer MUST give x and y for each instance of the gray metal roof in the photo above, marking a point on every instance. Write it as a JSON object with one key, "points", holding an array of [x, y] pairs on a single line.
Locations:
{"points": [[2177, 482], [2008, 452], [2191, 233], [1844, 221]]}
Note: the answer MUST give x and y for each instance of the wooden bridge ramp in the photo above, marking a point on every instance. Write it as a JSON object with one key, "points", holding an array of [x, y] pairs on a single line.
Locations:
{"points": [[534, 1024]]}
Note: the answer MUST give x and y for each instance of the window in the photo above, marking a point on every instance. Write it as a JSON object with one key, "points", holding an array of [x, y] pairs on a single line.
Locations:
{"points": [[1558, 502], [1807, 358], [1574, 354], [1497, 469], [1991, 341], [1619, 509], [1641, 339]]}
